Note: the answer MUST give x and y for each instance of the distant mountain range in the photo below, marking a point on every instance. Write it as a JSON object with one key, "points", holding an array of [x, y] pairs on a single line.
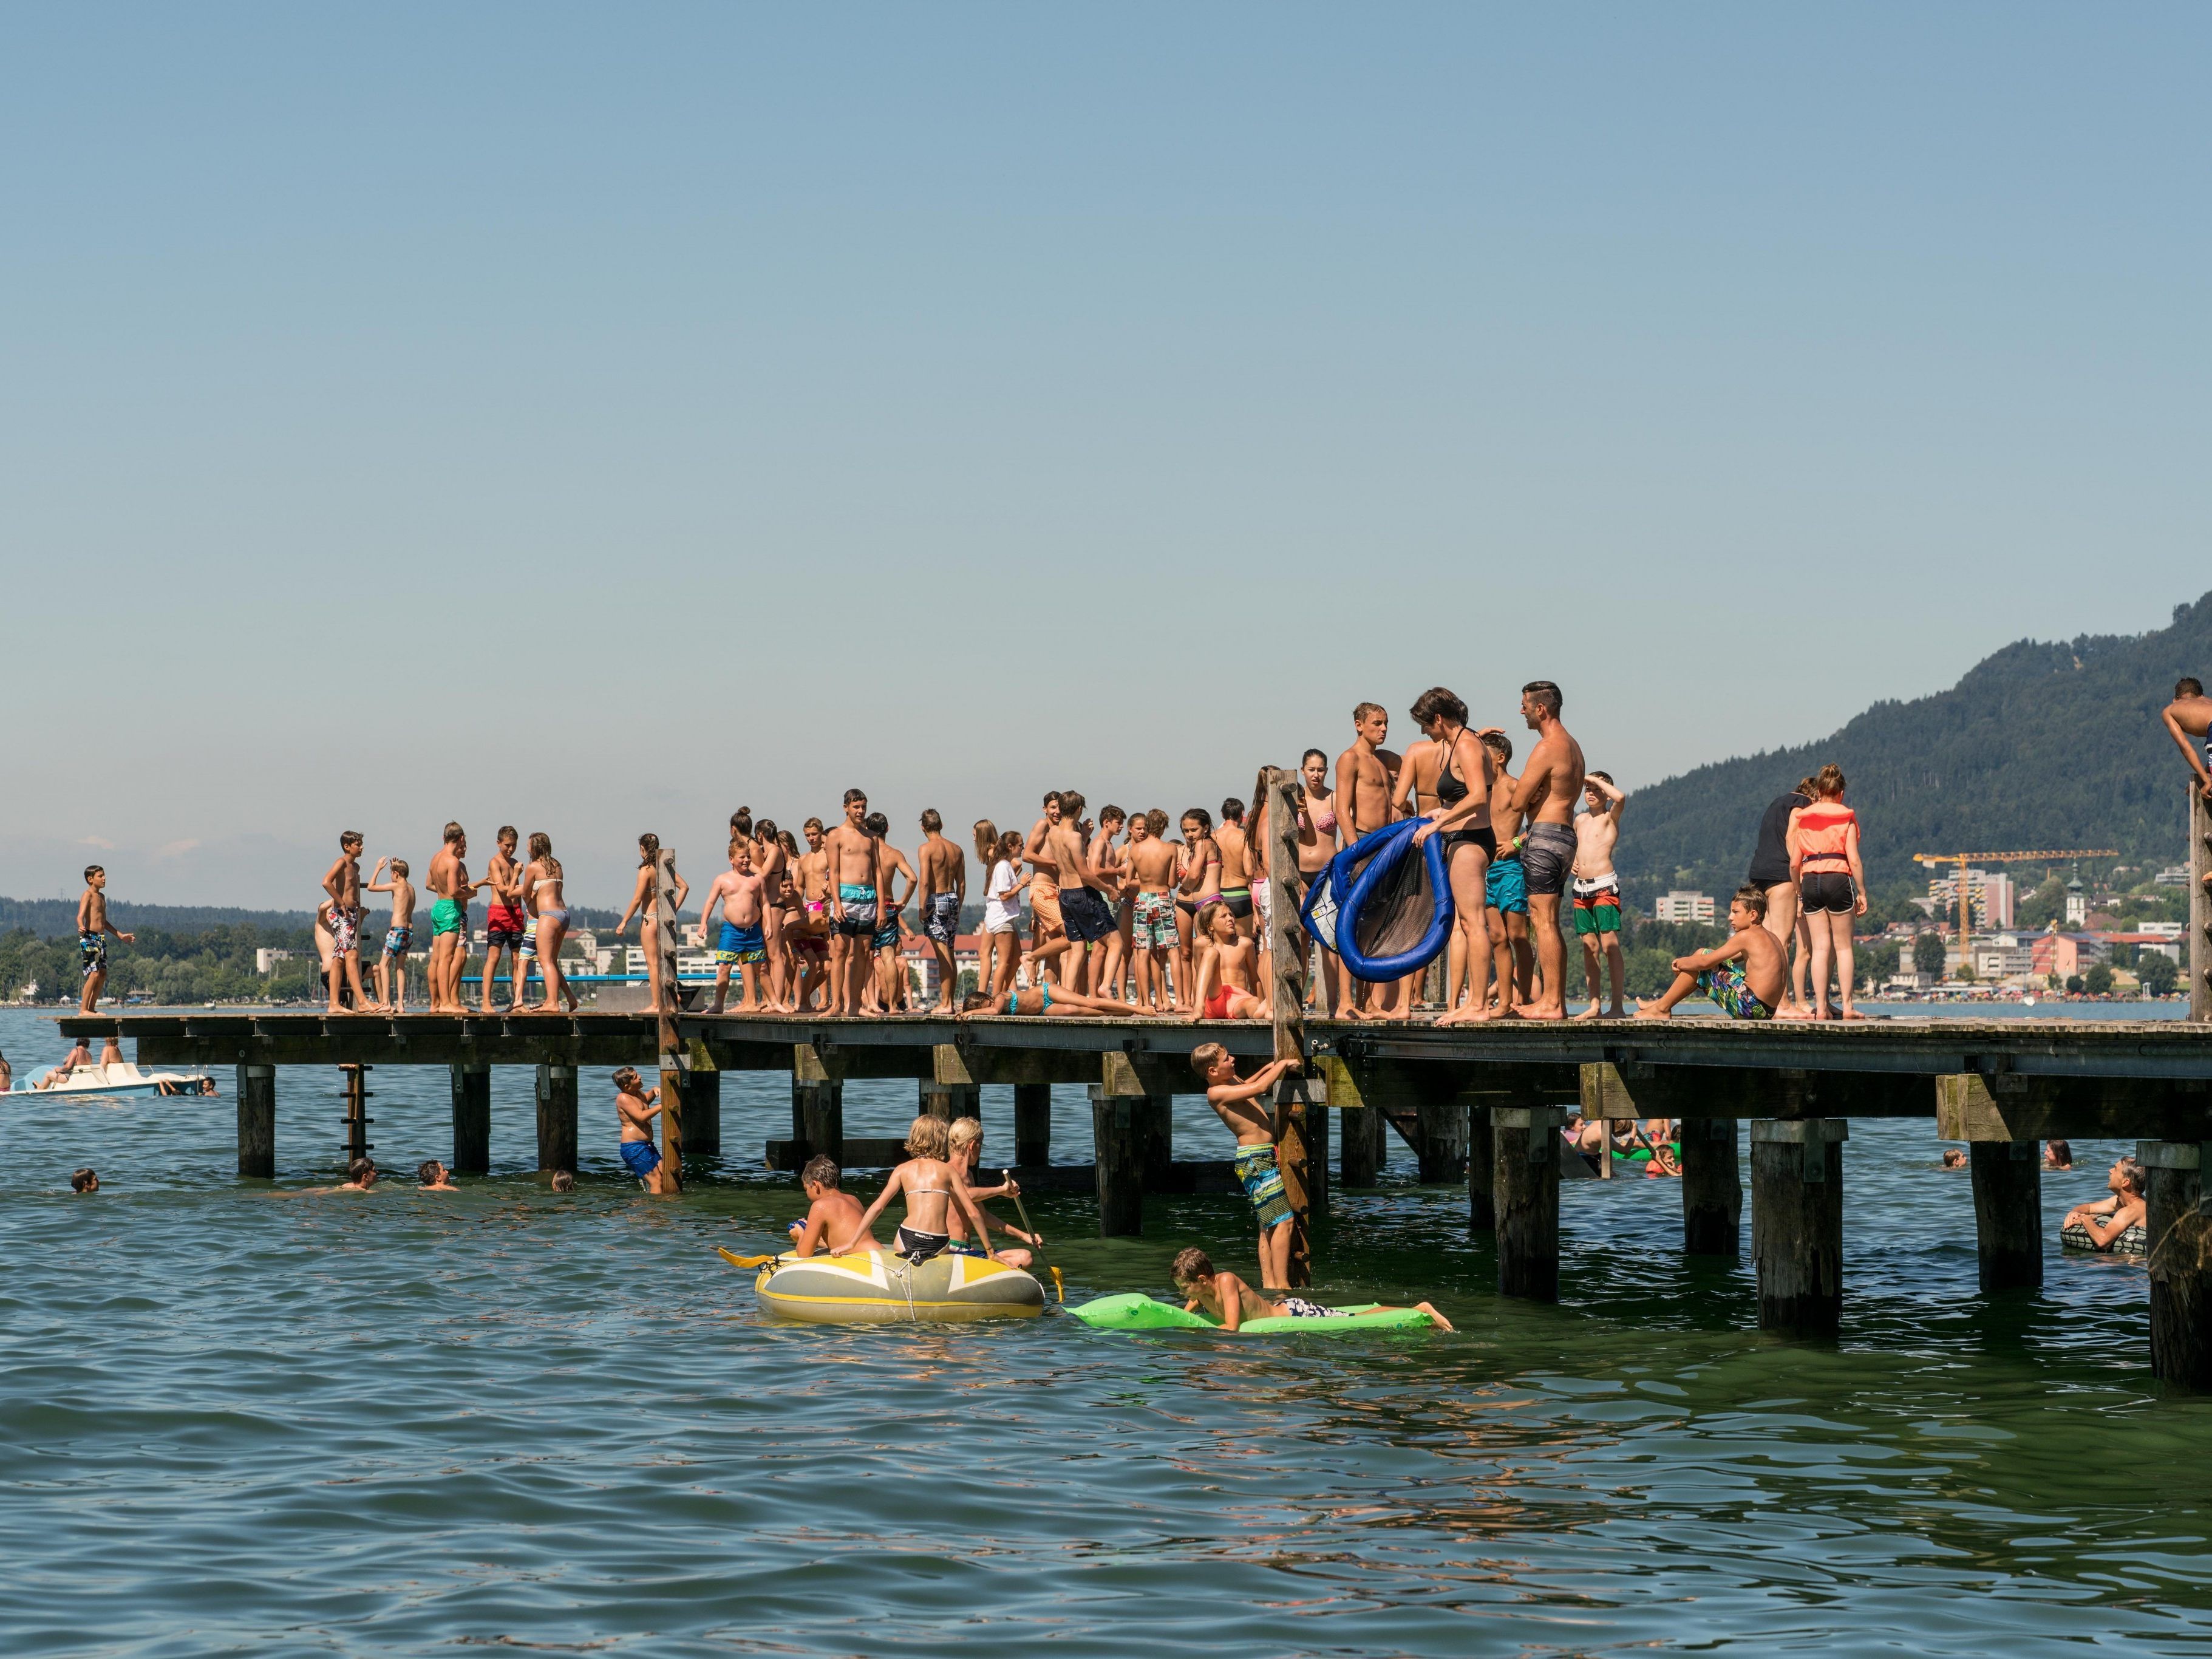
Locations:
{"points": [[2040, 746]]}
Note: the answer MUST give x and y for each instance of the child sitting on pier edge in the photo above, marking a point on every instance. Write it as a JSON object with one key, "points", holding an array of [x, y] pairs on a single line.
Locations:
{"points": [[1744, 975], [1236, 1102], [1228, 1298]]}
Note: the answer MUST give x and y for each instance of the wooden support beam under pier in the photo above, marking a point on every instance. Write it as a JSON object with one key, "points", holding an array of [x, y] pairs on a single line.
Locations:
{"points": [[2180, 1229], [1797, 1224], [472, 1119]]}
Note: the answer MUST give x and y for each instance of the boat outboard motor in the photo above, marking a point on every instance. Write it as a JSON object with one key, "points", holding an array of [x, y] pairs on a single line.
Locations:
{"points": [[1384, 905]]}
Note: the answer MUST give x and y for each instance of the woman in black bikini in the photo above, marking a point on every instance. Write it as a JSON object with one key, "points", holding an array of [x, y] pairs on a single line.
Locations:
{"points": [[1450, 783], [925, 1181]]}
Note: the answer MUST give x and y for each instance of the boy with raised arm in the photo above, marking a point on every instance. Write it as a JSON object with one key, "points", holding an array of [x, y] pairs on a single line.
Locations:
{"points": [[94, 930], [1597, 890], [1744, 974], [398, 934], [343, 882], [1236, 1102], [505, 924], [737, 938]]}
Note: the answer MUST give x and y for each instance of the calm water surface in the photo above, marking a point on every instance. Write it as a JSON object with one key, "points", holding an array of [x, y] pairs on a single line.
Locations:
{"points": [[240, 1419]]}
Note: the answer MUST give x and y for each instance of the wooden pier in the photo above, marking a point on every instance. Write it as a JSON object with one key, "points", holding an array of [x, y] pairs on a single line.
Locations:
{"points": [[1482, 1103]]}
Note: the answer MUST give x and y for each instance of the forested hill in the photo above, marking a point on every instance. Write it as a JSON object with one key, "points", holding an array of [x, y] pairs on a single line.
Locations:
{"points": [[52, 918], [2040, 746]]}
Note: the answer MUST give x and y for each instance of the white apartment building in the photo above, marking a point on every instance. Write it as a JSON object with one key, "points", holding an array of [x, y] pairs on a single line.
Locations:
{"points": [[1988, 892], [1682, 905]]}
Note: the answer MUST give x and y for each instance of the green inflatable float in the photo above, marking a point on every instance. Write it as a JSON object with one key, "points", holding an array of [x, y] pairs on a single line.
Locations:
{"points": [[1133, 1310]]}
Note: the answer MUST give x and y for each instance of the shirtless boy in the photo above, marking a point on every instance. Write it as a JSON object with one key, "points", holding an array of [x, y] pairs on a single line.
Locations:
{"points": [[2189, 722], [1151, 863], [1226, 971], [343, 882], [1228, 1299], [635, 1106], [449, 879], [811, 944], [1597, 889], [1505, 886], [1044, 882], [94, 930], [943, 890], [1086, 914], [1105, 869], [850, 856], [1235, 864], [1744, 974], [1366, 779], [888, 988], [391, 965], [737, 939], [1550, 786], [832, 1224], [505, 922], [1236, 1102]]}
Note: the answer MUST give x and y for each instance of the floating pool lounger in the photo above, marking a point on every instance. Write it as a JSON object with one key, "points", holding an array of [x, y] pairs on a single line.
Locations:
{"points": [[1383, 904], [1133, 1310]]}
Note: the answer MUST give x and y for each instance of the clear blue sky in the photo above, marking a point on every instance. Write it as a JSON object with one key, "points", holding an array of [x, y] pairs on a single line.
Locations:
{"points": [[598, 417]]}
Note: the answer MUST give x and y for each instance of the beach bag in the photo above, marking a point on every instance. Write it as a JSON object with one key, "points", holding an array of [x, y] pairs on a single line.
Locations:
{"points": [[1384, 905]]}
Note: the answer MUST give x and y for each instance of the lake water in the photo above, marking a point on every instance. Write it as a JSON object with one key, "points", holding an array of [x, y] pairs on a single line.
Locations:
{"points": [[239, 1419]]}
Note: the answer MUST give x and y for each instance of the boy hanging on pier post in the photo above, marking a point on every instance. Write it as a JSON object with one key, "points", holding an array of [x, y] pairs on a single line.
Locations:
{"points": [[94, 930], [1236, 1102], [392, 966], [1744, 974], [343, 882]]}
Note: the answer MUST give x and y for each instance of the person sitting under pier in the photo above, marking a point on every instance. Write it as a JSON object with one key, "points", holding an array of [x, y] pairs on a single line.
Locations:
{"points": [[76, 1059], [1744, 975], [2106, 1219], [1228, 1298], [833, 1224]]}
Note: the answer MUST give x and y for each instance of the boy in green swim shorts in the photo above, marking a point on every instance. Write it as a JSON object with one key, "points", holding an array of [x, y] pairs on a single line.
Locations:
{"points": [[1236, 1102]]}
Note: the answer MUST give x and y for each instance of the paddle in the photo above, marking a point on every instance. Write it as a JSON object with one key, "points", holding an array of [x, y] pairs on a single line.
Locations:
{"points": [[1035, 1237], [735, 1260]]}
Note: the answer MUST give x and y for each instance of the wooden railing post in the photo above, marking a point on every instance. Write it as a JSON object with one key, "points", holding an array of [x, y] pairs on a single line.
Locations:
{"points": [[1300, 1123]]}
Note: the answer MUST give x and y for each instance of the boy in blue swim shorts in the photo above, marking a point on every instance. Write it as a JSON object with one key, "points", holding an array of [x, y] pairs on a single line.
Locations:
{"points": [[637, 1106]]}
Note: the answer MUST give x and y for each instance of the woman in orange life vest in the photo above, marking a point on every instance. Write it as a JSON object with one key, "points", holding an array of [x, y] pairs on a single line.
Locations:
{"points": [[1824, 863]]}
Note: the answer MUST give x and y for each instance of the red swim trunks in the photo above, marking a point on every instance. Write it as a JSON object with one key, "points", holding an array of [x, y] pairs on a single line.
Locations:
{"points": [[504, 926]]}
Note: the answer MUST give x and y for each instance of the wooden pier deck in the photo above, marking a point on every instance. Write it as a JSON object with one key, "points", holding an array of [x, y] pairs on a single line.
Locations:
{"points": [[1482, 1104]]}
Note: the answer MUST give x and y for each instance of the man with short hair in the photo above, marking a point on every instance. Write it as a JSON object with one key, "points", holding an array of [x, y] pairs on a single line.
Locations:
{"points": [[1597, 892], [1550, 786], [2189, 722], [851, 878], [1367, 781], [943, 890]]}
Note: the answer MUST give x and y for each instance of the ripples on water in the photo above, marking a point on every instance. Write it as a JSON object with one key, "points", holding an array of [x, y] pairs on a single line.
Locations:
{"points": [[238, 1420]]}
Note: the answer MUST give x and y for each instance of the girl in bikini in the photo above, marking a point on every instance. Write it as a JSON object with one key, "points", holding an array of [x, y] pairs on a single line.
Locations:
{"points": [[542, 884], [1199, 874], [1449, 778], [658, 895], [1224, 976], [925, 1181]]}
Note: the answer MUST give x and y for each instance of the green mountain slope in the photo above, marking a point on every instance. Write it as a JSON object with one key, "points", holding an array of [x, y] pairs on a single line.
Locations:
{"points": [[2054, 745]]}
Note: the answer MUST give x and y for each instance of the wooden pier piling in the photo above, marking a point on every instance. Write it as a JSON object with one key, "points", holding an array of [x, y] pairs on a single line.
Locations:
{"points": [[1301, 1115], [1366, 1139], [357, 1144], [1119, 1138], [1712, 1188], [1797, 1223], [556, 1117], [2007, 1176], [2180, 1232], [1032, 1124], [256, 1120], [1481, 1170], [948, 1101], [702, 1111], [471, 1119], [1525, 1180]]}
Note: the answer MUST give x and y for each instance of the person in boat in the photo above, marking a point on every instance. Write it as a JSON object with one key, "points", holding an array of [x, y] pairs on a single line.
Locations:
{"points": [[832, 1224], [85, 1181], [2127, 1207], [1227, 1298], [77, 1058], [110, 1052], [432, 1177], [1224, 971], [1745, 973], [1044, 998], [637, 1106], [1236, 1102], [964, 1143], [926, 1182]]}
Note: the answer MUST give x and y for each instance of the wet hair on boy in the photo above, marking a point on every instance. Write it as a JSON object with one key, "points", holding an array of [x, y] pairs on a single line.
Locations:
{"points": [[564, 1181], [821, 1170]]}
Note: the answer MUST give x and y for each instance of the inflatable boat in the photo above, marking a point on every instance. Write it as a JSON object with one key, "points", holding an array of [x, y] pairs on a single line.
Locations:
{"points": [[888, 1290], [1133, 1310], [2134, 1241]]}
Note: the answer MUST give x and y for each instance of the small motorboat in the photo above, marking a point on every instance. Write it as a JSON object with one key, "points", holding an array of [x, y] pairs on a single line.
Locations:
{"points": [[121, 1078], [888, 1290]]}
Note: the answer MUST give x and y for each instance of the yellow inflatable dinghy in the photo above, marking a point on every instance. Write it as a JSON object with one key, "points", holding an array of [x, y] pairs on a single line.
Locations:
{"points": [[887, 1290]]}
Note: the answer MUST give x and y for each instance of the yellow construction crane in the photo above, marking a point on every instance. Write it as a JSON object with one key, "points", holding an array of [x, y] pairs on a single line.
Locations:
{"points": [[1959, 882]]}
